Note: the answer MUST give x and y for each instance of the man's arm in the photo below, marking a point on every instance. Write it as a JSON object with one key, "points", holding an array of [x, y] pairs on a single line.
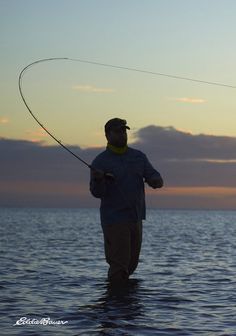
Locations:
{"points": [[97, 182], [155, 182], [152, 176]]}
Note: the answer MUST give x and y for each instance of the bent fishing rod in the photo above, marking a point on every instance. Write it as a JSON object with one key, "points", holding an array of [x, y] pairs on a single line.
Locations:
{"points": [[23, 71], [32, 114]]}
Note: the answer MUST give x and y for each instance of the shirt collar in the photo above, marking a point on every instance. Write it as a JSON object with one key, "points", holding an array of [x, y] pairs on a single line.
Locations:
{"points": [[117, 150]]}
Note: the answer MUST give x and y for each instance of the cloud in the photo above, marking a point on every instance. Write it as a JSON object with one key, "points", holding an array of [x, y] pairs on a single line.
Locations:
{"points": [[190, 100], [4, 120], [32, 174], [214, 192], [198, 170], [92, 89], [172, 144], [37, 135], [188, 160]]}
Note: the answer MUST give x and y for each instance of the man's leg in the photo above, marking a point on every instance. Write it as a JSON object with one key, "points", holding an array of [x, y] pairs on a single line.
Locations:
{"points": [[117, 238], [136, 242]]}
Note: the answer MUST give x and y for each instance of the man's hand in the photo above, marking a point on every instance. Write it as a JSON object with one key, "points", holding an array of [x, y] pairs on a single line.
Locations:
{"points": [[155, 182], [97, 174]]}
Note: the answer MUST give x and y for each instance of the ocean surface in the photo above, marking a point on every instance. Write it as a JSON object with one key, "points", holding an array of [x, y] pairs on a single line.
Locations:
{"points": [[52, 270]]}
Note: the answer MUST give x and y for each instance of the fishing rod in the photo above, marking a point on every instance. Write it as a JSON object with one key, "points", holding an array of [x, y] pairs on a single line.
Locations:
{"points": [[27, 67], [32, 114]]}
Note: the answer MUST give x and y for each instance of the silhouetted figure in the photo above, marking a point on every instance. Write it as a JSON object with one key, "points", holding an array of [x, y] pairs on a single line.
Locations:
{"points": [[117, 178]]}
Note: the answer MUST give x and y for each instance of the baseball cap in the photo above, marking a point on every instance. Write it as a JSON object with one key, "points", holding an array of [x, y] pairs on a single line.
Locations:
{"points": [[115, 124]]}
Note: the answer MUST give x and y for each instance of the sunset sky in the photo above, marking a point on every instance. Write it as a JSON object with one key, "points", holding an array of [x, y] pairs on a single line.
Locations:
{"points": [[186, 128]]}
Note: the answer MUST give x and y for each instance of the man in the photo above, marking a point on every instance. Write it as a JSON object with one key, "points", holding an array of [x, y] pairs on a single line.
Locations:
{"points": [[117, 178]]}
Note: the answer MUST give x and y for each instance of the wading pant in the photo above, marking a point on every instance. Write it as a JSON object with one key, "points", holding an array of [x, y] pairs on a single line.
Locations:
{"points": [[122, 244]]}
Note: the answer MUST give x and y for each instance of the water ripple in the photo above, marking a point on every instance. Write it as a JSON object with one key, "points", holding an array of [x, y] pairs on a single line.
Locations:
{"points": [[52, 265]]}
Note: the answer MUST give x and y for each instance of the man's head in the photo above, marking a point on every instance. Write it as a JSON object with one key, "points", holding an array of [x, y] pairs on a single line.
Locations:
{"points": [[115, 130]]}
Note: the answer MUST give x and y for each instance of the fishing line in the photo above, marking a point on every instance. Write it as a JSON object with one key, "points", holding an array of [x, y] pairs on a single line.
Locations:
{"points": [[27, 67], [153, 73]]}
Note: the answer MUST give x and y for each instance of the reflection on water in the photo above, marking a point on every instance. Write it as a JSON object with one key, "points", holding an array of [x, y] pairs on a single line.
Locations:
{"points": [[117, 308], [52, 265]]}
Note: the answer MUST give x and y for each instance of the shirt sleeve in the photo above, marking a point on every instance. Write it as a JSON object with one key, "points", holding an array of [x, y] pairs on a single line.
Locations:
{"points": [[149, 172], [97, 188]]}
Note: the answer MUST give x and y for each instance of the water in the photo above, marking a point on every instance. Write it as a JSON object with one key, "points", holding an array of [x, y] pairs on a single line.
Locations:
{"points": [[52, 266]]}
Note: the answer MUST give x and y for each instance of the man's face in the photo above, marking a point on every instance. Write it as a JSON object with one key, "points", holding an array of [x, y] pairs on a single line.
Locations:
{"points": [[117, 137]]}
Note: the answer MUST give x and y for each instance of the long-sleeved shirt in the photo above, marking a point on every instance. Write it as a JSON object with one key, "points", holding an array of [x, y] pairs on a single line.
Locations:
{"points": [[122, 199]]}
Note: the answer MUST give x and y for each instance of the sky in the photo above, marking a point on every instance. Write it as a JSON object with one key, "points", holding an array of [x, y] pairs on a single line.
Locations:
{"points": [[186, 128]]}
